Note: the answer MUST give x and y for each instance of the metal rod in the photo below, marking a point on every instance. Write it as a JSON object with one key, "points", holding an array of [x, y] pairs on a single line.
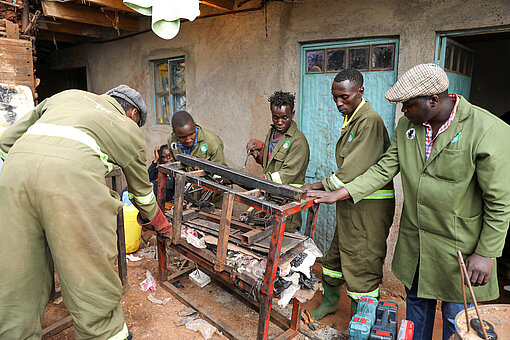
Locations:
{"points": [[463, 267], [462, 278]]}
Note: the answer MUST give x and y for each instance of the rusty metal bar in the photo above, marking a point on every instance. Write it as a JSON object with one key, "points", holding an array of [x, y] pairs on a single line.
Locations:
{"points": [[224, 232], [311, 220], [57, 327], [243, 178], [116, 176]]}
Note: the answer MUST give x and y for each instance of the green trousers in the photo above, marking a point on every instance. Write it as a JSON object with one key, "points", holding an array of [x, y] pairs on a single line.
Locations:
{"points": [[58, 210], [357, 251]]}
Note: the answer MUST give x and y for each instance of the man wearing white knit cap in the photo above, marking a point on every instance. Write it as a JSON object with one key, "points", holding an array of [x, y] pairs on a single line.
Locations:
{"points": [[452, 157]]}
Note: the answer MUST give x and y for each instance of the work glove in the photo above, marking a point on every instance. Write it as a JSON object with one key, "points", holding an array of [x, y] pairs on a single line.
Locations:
{"points": [[159, 224], [256, 149]]}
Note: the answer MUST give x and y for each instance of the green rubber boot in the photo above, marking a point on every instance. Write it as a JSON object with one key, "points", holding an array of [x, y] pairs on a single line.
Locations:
{"points": [[330, 300]]}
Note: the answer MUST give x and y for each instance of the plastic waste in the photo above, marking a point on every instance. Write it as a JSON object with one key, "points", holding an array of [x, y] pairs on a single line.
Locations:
{"points": [[154, 299], [148, 283], [202, 326]]}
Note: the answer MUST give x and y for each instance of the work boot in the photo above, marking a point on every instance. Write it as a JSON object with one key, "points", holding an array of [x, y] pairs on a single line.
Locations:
{"points": [[131, 336], [330, 300]]}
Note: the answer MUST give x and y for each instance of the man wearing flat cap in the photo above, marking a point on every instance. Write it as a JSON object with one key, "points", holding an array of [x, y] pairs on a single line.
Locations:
{"points": [[56, 209], [452, 157]]}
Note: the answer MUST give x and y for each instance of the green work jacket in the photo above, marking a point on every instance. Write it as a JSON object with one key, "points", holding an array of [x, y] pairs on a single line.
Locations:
{"points": [[456, 200], [209, 146], [289, 159], [93, 128], [360, 146]]}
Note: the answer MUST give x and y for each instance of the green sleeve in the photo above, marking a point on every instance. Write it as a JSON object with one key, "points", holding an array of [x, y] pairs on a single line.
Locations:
{"points": [[217, 154], [139, 187], [379, 174], [492, 166], [11, 135], [361, 153], [295, 163]]}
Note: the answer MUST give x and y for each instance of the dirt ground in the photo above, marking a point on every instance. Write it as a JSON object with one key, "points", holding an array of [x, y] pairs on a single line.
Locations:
{"points": [[149, 320]]}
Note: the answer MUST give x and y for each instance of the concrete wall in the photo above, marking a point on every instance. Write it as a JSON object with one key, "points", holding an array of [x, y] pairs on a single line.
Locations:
{"points": [[232, 67]]}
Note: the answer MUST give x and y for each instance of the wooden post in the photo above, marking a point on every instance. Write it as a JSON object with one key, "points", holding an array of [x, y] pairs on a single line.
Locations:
{"points": [[224, 232], [180, 182]]}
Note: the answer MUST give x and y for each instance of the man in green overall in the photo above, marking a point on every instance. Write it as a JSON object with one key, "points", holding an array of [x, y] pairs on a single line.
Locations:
{"points": [[357, 251], [56, 209], [453, 160], [285, 154], [191, 139]]}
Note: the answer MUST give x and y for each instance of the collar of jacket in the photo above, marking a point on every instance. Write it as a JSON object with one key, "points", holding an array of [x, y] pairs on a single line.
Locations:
{"points": [[360, 113], [290, 132], [115, 103], [200, 138], [463, 113]]}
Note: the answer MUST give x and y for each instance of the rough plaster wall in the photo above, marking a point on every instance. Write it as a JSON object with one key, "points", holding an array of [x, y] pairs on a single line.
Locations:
{"points": [[231, 67]]}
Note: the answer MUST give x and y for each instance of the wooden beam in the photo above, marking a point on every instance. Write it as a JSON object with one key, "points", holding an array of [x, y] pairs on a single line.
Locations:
{"points": [[69, 27], [226, 5], [109, 4], [89, 15]]}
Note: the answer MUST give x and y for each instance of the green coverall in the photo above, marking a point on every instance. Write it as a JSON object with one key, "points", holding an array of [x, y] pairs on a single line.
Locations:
{"points": [[55, 207], [458, 199], [287, 164], [357, 251]]}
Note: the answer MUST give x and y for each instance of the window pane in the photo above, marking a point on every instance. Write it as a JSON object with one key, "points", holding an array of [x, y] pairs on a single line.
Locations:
{"points": [[178, 82], [462, 62], [162, 110], [448, 57], [161, 70], [179, 102], [382, 57], [358, 58], [455, 61], [315, 61], [336, 60]]}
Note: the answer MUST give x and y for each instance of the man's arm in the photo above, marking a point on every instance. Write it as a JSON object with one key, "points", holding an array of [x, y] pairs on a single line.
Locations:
{"points": [[492, 166], [11, 134], [296, 161]]}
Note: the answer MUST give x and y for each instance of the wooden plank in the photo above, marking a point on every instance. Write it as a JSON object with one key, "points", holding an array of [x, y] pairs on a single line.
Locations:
{"points": [[243, 179], [57, 327], [16, 63], [180, 182], [226, 217], [256, 235], [11, 29], [110, 4], [89, 15], [220, 324], [227, 5], [69, 27]]}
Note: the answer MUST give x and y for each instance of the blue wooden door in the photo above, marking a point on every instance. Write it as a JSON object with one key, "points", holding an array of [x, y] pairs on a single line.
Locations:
{"points": [[457, 61], [319, 118]]}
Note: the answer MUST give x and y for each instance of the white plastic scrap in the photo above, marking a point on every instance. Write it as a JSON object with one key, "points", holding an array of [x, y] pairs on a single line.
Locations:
{"points": [[202, 326], [192, 238], [312, 247], [152, 298], [133, 258], [148, 283], [288, 293]]}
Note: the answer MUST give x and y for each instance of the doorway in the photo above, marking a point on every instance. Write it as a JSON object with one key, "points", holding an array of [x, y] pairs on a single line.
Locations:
{"points": [[319, 119]]}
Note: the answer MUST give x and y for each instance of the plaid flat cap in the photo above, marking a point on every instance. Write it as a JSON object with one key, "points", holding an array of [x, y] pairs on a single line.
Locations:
{"points": [[133, 97], [421, 80]]}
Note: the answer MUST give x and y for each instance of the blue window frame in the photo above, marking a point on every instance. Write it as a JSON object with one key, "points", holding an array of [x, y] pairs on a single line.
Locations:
{"points": [[169, 88]]}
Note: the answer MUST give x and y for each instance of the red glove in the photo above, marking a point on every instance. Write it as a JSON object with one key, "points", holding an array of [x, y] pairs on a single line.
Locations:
{"points": [[256, 148], [159, 224]]}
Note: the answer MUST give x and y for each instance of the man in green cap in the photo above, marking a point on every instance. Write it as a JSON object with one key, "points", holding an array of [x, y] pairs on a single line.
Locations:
{"points": [[357, 251], [285, 154], [56, 209], [452, 157]]}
